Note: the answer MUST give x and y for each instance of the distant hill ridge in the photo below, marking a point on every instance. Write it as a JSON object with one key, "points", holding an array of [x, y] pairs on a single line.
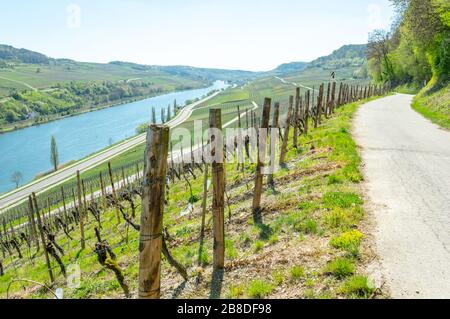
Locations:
{"points": [[348, 55], [9, 53]]}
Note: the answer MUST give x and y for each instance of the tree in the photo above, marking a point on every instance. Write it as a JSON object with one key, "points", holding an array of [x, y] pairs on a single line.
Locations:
{"points": [[54, 156], [163, 115], [169, 113], [153, 115], [378, 51], [17, 178]]}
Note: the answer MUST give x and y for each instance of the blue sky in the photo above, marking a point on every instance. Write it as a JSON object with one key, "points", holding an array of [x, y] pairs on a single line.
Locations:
{"points": [[233, 34]]}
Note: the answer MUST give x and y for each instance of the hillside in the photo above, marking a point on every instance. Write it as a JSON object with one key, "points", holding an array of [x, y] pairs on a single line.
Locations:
{"points": [[35, 88], [290, 68], [311, 241], [22, 69], [353, 55], [11, 54]]}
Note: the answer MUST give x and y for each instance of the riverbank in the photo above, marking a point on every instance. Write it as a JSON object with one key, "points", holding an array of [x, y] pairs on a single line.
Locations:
{"points": [[31, 122], [88, 161]]}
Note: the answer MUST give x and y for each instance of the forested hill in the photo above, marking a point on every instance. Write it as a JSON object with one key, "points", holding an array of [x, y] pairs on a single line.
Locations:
{"points": [[348, 55], [11, 54]]}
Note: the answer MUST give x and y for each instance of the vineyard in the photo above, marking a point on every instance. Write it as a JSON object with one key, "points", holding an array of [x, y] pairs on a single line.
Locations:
{"points": [[171, 226]]}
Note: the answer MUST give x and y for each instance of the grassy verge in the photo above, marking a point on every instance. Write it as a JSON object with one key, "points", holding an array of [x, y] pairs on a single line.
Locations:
{"points": [[435, 106], [408, 89], [310, 244]]}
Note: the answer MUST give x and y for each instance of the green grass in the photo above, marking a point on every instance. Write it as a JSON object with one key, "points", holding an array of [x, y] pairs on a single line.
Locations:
{"points": [[278, 277], [435, 106], [236, 292], [297, 272], [259, 289], [340, 268], [408, 89], [341, 200], [358, 287]]}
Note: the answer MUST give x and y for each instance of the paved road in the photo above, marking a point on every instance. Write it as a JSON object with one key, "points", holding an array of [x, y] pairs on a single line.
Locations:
{"points": [[63, 175], [295, 84], [407, 168]]}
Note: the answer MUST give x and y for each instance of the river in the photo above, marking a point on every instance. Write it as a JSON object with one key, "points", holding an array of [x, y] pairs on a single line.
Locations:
{"points": [[28, 150]]}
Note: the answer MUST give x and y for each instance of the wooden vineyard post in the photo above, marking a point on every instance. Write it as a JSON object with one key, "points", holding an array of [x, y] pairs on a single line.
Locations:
{"points": [[318, 118], [85, 206], [256, 207], [113, 190], [64, 202], [307, 111], [218, 182], [286, 132], [102, 187], [274, 127], [151, 237], [339, 102], [204, 200], [327, 102], [33, 223], [41, 231], [80, 211], [297, 105], [124, 180], [333, 97]]}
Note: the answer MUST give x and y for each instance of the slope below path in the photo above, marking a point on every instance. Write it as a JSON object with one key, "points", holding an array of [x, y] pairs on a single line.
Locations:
{"points": [[407, 168]]}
